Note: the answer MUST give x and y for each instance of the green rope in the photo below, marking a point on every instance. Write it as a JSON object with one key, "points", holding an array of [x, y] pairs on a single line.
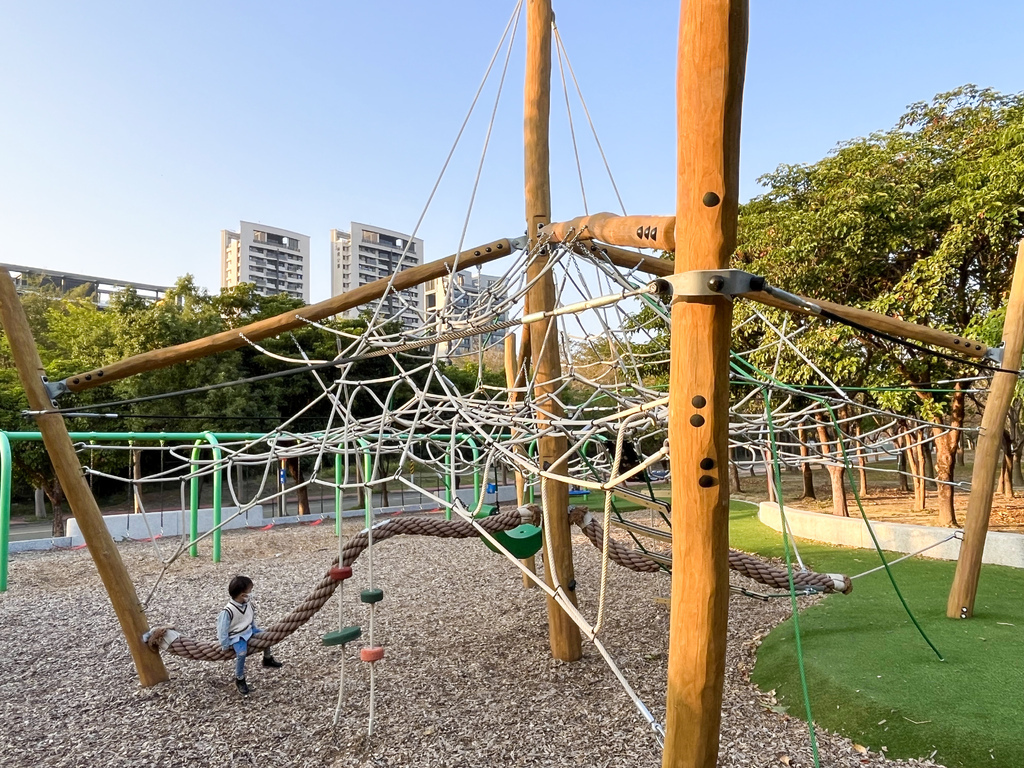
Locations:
{"points": [[775, 384], [777, 473], [856, 495]]}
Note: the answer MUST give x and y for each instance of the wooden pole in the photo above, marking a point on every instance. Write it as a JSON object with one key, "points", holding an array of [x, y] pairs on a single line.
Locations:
{"points": [[986, 459], [709, 91], [286, 321], [62, 454], [563, 634], [512, 379]]}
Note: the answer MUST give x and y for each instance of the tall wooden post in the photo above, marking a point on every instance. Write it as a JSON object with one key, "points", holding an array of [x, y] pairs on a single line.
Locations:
{"points": [[513, 380], [563, 634], [69, 471], [986, 458], [709, 91]]}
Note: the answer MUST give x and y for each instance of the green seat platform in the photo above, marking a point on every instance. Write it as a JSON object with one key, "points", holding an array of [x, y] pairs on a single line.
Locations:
{"points": [[523, 541], [342, 636]]}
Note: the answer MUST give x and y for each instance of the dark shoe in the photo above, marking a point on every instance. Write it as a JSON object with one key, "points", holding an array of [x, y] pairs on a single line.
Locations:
{"points": [[243, 688], [270, 661]]}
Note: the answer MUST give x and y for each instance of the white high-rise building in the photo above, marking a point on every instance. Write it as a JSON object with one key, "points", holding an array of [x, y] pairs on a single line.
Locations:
{"points": [[460, 297], [367, 253], [275, 259]]}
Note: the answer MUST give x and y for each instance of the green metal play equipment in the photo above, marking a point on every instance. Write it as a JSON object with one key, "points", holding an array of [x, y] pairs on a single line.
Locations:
{"points": [[522, 543]]}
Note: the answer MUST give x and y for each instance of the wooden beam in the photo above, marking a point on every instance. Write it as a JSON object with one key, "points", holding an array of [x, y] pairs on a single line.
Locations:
{"points": [[653, 265], [709, 91], [962, 594], [112, 571], [286, 321], [563, 634], [879, 322], [628, 231]]}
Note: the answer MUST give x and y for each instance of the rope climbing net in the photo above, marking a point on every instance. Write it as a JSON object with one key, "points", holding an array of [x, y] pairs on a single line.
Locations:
{"points": [[384, 435], [431, 406]]}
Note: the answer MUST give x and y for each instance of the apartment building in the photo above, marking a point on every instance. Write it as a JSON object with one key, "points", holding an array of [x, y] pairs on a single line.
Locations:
{"points": [[460, 297], [276, 260], [366, 253]]}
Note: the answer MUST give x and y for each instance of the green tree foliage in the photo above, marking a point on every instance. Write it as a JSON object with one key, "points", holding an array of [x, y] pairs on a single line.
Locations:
{"points": [[74, 335], [919, 222]]}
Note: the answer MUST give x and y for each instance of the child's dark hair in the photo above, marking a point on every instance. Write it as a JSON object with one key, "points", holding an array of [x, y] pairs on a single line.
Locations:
{"points": [[238, 585]]}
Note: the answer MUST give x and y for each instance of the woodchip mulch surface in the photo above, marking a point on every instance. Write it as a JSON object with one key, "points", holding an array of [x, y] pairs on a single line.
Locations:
{"points": [[467, 679]]}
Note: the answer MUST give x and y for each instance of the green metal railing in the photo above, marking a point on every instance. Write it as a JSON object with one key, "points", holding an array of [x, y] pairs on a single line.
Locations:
{"points": [[212, 441], [211, 438]]}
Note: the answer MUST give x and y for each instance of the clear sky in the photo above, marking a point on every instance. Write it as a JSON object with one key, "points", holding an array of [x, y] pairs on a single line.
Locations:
{"points": [[132, 133]]}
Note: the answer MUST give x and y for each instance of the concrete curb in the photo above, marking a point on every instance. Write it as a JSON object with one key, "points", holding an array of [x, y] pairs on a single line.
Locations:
{"points": [[1000, 548]]}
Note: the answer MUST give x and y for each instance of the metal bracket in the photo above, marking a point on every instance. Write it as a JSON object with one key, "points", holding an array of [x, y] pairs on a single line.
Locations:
{"points": [[519, 243], [708, 282], [54, 389], [995, 354]]}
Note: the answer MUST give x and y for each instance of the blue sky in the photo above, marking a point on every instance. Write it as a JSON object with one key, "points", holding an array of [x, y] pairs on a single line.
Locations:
{"points": [[132, 133]]}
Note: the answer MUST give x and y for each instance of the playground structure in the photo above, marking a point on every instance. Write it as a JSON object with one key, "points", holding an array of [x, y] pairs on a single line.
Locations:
{"points": [[694, 418]]}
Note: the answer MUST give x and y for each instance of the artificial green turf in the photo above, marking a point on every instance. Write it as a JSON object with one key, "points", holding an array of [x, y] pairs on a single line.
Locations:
{"points": [[874, 679]]}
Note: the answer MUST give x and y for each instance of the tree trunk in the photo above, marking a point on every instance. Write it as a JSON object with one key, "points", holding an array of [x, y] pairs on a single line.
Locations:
{"points": [[929, 463], [734, 473], [301, 491], [40, 502], [769, 473], [136, 475], [1006, 475], [835, 474], [806, 473], [862, 475], [903, 466], [60, 517], [945, 454], [915, 461]]}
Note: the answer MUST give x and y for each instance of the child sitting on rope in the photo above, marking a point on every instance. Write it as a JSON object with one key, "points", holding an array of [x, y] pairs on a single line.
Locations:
{"points": [[236, 624]]}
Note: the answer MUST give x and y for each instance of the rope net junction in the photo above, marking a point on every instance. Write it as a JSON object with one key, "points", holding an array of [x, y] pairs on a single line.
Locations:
{"points": [[611, 332]]}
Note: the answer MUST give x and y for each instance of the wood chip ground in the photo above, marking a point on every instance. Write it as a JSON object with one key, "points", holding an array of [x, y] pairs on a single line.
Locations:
{"points": [[466, 680]]}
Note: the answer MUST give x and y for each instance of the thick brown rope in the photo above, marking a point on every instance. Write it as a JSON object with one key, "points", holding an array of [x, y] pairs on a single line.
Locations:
{"points": [[210, 650], [741, 562]]}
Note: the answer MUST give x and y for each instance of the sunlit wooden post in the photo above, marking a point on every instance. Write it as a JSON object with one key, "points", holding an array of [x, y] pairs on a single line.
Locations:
{"points": [[709, 89], [68, 468], [986, 458], [563, 634]]}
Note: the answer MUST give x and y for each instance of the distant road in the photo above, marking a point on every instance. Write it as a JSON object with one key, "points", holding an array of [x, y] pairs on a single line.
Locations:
{"points": [[31, 530]]}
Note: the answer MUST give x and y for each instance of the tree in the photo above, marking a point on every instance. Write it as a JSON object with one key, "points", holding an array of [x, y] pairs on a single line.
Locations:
{"points": [[919, 222]]}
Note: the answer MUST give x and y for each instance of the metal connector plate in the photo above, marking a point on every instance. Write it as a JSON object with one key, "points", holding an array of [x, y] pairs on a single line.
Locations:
{"points": [[708, 282]]}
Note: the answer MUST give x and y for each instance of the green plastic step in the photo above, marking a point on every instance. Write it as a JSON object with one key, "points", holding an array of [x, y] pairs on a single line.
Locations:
{"points": [[342, 636]]}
